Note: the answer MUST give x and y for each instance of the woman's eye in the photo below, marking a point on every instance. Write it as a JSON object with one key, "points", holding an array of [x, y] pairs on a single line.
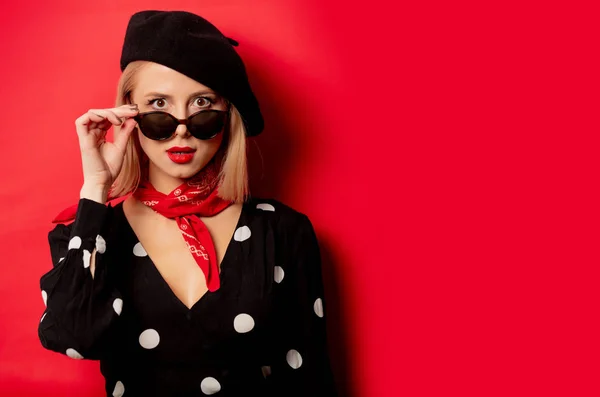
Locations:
{"points": [[158, 103], [161, 103], [203, 102]]}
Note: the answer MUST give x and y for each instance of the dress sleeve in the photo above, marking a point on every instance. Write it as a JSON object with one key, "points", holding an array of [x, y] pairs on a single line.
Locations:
{"points": [[80, 309], [300, 360]]}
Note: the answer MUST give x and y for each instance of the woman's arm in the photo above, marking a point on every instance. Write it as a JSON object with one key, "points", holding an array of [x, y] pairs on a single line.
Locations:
{"points": [[81, 309], [300, 361]]}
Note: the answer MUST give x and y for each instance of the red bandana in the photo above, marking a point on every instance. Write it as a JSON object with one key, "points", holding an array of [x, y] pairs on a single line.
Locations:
{"points": [[194, 198]]}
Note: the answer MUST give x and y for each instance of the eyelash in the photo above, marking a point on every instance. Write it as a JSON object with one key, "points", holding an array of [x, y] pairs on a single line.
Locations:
{"points": [[210, 100]]}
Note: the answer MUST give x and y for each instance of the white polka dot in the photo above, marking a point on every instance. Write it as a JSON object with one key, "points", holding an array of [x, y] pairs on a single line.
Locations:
{"points": [[119, 389], [43, 317], [265, 207], [210, 386], [45, 297], [294, 359], [61, 259], [138, 250], [149, 339], [266, 370], [100, 244], [279, 274], [74, 354], [75, 242], [242, 233], [318, 306], [118, 305], [243, 323], [86, 258]]}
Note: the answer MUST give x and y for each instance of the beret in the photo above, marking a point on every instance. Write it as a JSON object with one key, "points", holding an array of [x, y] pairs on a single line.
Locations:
{"points": [[191, 45]]}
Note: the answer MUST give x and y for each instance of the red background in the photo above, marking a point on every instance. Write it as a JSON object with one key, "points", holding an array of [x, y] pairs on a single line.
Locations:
{"points": [[446, 153]]}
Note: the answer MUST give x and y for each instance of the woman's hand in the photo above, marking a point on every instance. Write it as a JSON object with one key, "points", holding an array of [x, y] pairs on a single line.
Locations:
{"points": [[102, 160]]}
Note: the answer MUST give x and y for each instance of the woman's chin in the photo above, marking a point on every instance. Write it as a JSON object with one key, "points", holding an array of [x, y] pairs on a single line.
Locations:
{"points": [[183, 171]]}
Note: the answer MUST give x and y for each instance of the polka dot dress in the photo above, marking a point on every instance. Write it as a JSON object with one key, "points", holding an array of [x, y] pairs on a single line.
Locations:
{"points": [[262, 333]]}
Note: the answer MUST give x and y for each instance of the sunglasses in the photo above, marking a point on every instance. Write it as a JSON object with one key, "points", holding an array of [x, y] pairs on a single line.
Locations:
{"points": [[204, 125]]}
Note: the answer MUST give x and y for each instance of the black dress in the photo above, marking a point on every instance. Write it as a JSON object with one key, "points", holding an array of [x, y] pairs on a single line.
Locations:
{"points": [[262, 333]]}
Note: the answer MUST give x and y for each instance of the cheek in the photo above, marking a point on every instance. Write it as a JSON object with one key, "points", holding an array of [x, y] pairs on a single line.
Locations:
{"points": [[218, 142], [149, 146], [212, 146]]}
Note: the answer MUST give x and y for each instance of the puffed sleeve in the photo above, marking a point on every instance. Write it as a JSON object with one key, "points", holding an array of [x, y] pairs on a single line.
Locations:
{"points": [[80, 309], [300, 360]]}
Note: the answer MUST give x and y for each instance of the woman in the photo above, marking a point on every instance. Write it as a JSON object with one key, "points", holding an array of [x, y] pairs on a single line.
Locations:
{"points": [[189, 286]]}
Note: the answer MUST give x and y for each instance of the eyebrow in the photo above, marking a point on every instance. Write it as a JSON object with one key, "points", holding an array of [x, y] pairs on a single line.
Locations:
{"points": [[167, 96]]}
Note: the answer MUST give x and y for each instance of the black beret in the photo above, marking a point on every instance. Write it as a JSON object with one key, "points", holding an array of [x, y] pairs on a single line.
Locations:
{"points": [[191, 45]]}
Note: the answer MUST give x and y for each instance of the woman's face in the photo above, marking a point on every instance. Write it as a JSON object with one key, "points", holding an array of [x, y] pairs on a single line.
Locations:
{"points": [[161, 88]]}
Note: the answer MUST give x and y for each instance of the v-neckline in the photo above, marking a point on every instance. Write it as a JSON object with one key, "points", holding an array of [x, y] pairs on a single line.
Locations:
{"points": [[223, 266]]}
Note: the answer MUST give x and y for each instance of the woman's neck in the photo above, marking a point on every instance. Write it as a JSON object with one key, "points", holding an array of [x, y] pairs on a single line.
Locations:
{"points": [[161, 181]]}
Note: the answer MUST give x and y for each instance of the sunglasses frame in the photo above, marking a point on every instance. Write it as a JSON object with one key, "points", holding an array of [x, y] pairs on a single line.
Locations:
{"points": [[138, 118]]}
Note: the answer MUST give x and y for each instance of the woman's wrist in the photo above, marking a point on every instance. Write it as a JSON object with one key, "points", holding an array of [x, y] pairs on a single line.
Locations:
{"points": [[97, 193]]}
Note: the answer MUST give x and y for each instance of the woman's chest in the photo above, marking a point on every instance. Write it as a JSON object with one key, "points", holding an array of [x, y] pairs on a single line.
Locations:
{"points": [[185, 250], [239, 312]]}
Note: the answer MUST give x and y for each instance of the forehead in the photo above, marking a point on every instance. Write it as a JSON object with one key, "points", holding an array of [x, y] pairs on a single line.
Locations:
{"points": [[154, 77]]}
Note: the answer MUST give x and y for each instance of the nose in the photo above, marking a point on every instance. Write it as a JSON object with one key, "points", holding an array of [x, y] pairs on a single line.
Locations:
{"points": [[182, 131], [181, 113]]}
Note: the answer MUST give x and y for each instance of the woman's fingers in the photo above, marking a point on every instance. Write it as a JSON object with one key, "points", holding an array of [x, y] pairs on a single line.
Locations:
{"points": [[123, 133], [115, 116], [103, 119], [105, 114], [102, 160], [125, 111]]}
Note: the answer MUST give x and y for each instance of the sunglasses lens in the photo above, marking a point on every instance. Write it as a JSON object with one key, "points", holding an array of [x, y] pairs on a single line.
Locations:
{"points": [[207, 124], [157, 126]]}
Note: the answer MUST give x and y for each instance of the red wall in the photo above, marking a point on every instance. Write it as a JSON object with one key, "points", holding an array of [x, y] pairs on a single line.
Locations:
{"points": [[446, 153]]}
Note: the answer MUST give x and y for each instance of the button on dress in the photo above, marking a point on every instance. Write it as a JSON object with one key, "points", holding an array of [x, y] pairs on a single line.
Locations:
{"points": [[262, 333]]}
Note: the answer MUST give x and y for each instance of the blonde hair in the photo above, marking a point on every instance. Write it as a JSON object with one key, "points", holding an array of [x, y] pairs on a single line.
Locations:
{"points": [[233, 176]]}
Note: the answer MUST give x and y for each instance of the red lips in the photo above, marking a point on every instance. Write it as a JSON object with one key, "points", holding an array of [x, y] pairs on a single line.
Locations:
{"points": [[185, 149]]}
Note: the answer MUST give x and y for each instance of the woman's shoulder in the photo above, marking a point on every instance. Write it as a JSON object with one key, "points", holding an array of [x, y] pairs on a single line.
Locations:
{"points": [[282, 214]]}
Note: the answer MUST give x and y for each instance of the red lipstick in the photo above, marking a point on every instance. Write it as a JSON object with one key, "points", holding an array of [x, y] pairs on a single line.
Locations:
{"points": [[181, 155], [180, 149]]}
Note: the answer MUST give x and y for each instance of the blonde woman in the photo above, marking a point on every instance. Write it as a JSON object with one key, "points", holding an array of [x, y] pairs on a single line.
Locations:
{"points": [[189, 286]]}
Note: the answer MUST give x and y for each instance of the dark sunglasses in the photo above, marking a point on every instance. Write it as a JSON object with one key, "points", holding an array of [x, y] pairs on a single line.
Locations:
{"points": [[204, 125]]}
